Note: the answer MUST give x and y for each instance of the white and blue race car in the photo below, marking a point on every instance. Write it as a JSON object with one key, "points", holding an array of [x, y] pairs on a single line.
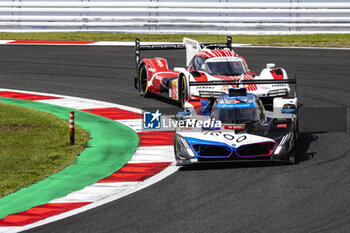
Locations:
{"points": [[237, 128]]}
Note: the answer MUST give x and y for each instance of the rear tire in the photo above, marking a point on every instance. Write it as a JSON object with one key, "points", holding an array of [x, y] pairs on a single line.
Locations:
{"points": [[143, 81]]}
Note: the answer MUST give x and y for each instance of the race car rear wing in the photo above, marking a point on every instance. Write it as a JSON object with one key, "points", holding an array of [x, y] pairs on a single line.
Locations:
{"points": [[246, 82], [268, 100], [243, 82], [139, 47]]}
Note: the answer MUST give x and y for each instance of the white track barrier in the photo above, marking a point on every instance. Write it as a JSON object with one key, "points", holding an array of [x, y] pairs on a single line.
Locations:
{"points": [[170, 16]]}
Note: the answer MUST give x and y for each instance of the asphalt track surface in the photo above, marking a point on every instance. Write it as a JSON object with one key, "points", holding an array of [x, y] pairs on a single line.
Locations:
{"points": [[311, 196]]}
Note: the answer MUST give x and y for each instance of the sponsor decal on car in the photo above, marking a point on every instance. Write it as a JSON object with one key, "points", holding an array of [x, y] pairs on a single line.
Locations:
{"points": [[234, 127], [225, 88], [282, 126], [173, 93], [159, 62]]}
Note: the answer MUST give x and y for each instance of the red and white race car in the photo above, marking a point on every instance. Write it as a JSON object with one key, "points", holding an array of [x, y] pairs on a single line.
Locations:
{"points": [[211, 69]]}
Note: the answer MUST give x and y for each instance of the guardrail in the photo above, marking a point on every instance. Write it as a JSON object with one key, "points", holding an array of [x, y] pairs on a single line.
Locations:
{"points": [[170, 16]]}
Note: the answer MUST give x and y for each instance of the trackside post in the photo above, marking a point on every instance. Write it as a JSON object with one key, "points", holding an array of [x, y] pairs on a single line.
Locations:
{"points": [[71, 128]]}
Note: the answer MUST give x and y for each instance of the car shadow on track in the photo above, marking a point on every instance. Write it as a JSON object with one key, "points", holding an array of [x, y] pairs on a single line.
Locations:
{"points": [[164, 99], [302, 154], [305, 139]]}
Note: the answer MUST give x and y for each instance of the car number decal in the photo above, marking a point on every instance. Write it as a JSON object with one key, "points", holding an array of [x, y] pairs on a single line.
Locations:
{"points": [[227, 136]]}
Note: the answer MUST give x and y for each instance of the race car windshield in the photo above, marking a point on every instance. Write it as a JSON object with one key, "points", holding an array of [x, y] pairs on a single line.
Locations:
{"points": [[225, 68], [236, 115]]}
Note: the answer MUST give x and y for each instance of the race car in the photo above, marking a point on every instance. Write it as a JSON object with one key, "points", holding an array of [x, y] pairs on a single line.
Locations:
{"points": [[211, 69], [237, 128]]}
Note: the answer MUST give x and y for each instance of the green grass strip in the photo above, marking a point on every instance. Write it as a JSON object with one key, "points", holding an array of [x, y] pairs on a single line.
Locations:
{"points": [[316, 40], [111, 146], [34, 144]]}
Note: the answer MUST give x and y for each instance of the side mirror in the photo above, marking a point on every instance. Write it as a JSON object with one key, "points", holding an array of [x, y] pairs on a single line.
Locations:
{"points": [[270, 65], [288, 108], [251, 73], [288, 111]]}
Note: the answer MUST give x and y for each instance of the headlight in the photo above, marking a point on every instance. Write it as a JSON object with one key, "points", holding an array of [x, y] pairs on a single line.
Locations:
{"points": [[183, 149], [283, 144]]}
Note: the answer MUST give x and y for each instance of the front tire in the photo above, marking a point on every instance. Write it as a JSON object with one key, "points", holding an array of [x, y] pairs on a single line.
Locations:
{"points": [[292, 158], [183, 93], [143, 81], [296, 138]]}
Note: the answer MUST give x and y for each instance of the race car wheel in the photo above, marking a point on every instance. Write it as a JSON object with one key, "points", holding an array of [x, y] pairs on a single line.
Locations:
{"points": [[292, 158], [296, 130], [183, 94], [295, 139], [143, 80]]}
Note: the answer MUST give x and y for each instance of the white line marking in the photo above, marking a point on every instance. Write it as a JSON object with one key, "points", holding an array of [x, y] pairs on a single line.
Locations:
{"points": [[130, 43], [9, 229], [288, 47]]}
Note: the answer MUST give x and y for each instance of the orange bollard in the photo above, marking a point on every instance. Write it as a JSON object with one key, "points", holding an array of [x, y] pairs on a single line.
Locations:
{"points": [[71, 128]]}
